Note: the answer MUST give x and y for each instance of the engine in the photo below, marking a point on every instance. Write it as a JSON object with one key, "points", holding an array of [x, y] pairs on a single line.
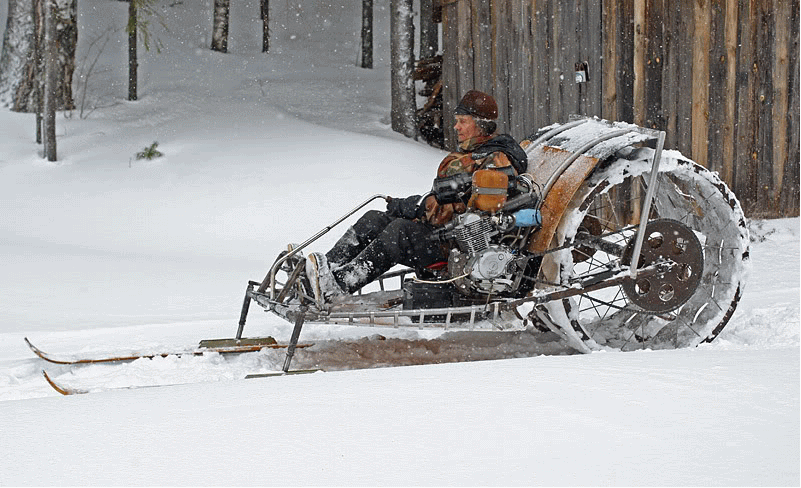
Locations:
{"points": [[488, 256], [486, 259]]}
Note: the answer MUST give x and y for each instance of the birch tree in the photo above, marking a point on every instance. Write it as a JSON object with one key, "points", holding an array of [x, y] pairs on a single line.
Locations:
{"points": [[219, 35], [19, 69]]}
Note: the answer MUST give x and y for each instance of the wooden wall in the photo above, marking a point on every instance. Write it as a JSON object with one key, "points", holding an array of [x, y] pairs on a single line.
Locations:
{"points": [[719, 76]]}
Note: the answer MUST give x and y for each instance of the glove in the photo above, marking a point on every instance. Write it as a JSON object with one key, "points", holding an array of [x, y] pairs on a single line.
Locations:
{"points": [[406, 208]]}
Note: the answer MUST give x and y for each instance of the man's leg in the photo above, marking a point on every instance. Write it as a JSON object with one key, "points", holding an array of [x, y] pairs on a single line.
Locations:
{"points": [[358, 237], [401, 242]]}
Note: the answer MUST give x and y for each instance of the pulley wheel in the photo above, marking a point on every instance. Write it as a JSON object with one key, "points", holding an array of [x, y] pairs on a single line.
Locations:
{"points": [[676, 244]]}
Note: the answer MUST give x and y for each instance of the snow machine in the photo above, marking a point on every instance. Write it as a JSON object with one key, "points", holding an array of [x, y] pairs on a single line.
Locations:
{"points": [[606, 240]]}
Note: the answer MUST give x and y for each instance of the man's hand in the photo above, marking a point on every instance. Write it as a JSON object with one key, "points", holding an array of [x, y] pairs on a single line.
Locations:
{"points": [[406, 208]]}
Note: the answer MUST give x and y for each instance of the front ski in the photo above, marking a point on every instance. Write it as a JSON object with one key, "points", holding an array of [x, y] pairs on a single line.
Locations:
{"points": [[64, 390], [69, 390], [221, 346]]}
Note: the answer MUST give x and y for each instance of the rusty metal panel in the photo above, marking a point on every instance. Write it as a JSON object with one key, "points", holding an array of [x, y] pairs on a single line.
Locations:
{"points": [[543, 161]]}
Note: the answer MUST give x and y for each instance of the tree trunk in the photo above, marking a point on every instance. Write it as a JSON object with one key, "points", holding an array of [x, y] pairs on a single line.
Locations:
{"points": [[429, 32], [219, 37], [38, 41], [133, 61], [18, 70], [265, 26], [367, 34], [51, 79], [401, 31]]}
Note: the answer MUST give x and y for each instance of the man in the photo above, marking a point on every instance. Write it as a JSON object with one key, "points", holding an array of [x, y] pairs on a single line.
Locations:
{"points": [[380, 240]]}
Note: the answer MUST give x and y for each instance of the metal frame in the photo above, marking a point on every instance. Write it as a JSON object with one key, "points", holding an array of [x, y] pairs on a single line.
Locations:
{"points": [[269, 280]]}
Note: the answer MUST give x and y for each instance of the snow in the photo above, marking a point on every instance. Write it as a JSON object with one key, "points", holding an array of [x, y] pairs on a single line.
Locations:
{"points": [[102, 252]]}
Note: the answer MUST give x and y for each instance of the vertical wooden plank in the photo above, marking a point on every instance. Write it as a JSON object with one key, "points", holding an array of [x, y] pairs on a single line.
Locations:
{"points": [[517, 85], [575, 54], [507, 84], [570, 49], [566, 54], [528, 93], [589, 51], [730, 92], [465, 53], [625, 82], [610, 61], [684, 77], [781, 66], [482, 24], [557, 61], [670, 77], [582, 53], [745, 133], [594, 57], [764, 143], [700, 81], [540, 50], [501, 43], [450, 71], [789, 202], [717, 85], [640, 48], [654, 114]]}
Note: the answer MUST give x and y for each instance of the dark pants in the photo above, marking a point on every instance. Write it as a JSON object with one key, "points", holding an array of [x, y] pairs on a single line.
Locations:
{"points": [[376, 243]]}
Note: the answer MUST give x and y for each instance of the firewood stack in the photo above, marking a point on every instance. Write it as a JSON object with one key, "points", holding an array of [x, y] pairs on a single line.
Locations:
{"points": [[429, 117]]}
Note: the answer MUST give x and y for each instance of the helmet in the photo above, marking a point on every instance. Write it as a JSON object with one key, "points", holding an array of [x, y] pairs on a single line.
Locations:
{"points": [[477, 104]]}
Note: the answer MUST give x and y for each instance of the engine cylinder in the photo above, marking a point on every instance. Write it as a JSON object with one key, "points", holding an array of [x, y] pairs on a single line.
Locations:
{"points": [[473, 233]]}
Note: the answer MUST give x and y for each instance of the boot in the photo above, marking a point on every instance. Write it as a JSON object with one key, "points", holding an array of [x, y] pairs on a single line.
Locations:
{"points": [[322, 282]]}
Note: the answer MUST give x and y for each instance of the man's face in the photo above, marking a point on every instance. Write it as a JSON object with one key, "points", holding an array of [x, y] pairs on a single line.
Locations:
{"points": [[466, 127]]}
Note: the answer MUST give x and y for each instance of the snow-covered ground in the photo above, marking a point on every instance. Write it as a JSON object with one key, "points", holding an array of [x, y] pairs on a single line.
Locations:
{"points": [[103, 252]]}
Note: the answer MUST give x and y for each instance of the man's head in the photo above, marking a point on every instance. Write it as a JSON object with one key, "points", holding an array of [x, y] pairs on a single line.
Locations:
{"points": [[475, 115]]}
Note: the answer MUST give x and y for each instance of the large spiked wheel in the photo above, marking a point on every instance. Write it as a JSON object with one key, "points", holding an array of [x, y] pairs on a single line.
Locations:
{"points": [[688, 200]]}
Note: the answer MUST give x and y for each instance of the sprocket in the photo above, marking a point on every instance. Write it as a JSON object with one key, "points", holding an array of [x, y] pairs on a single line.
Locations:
{"points": [[676, 246]]}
